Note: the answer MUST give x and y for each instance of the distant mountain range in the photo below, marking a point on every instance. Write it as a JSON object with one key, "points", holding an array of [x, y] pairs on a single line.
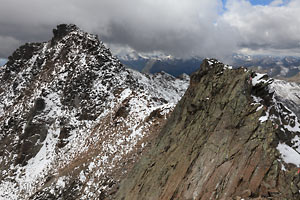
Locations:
{"points": [[284, 67], [279, 67], [172, 66]]}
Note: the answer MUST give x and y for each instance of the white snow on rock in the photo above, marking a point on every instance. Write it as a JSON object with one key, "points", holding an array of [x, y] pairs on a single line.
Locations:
{"points": [[288, 154], [96, 112], [228, 67], [287, 90], [259, 78], [212, 61], [284, 100]]}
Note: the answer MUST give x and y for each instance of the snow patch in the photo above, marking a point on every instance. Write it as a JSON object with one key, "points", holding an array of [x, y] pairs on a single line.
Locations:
{"points": [[289, 154]]}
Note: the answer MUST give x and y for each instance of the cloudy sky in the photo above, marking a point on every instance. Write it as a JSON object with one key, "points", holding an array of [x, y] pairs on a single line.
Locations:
{"points": [[206, 28]]}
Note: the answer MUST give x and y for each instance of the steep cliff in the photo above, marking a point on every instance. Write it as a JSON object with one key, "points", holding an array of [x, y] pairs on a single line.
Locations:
{"points": [[73, 119], [230, 137]]}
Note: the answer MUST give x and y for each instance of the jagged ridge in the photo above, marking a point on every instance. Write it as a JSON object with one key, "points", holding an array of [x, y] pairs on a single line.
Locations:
{"points": [[221, 142], [73, 119]]}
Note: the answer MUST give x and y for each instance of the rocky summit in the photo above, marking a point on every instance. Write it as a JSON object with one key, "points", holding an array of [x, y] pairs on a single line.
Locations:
{"points": [[234, 135], [73, 119]]}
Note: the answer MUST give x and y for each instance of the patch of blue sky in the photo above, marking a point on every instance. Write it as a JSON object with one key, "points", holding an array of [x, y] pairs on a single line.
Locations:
{"points": [[259, 2], [2, 61]]}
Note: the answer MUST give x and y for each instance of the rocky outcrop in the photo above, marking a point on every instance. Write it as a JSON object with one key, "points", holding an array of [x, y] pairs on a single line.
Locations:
{"points": [[228, 138], [73, 119]]}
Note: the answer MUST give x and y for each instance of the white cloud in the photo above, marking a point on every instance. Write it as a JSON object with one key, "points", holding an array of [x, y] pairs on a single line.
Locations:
{"points": [[177, 27], [268, 28], [7, 45]]}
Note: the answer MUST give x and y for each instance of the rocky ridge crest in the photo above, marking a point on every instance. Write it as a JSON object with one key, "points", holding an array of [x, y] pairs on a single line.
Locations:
{"points": [[229, 137], [73, 119]]}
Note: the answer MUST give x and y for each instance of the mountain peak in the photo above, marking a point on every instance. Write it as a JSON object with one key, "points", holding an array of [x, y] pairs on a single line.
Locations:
{"points": [[70, 34], [63, 29], [73, 119]]}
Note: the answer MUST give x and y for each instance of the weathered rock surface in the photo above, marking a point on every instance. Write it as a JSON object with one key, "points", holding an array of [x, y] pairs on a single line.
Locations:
{"points": [[223, 141], [73, 119]]}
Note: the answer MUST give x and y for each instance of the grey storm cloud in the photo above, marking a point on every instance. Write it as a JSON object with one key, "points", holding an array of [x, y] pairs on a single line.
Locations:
{"points": [[204, 28]]}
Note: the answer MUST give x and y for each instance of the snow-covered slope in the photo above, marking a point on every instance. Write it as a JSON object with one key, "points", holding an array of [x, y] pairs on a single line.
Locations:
{"points": [[289, 93], [73, 119], [282, 108]]}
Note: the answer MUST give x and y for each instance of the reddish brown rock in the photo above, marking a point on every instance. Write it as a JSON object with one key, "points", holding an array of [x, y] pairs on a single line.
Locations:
{"points": [[214, 146]]}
